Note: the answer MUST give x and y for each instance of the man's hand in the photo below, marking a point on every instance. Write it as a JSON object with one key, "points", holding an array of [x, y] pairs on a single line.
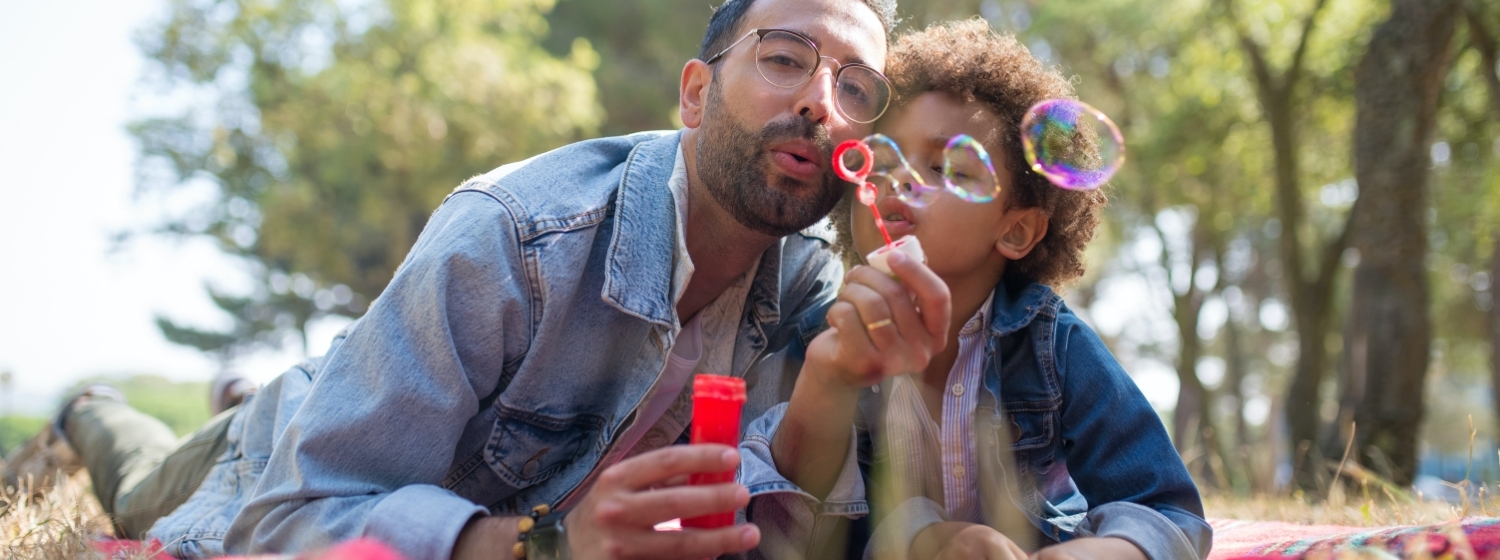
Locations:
{"points": [[955, 540], [882, 326], [616, 517]]}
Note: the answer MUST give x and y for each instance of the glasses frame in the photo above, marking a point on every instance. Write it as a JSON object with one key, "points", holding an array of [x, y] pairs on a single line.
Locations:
{"points": [[838, 67]]}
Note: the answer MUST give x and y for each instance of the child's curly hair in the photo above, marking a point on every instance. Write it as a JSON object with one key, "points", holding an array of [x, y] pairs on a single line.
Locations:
{"points": [[968, 60]]}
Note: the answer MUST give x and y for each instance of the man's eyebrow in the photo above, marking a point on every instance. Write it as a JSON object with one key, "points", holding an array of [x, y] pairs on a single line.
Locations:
{"points": [[853, 58]]}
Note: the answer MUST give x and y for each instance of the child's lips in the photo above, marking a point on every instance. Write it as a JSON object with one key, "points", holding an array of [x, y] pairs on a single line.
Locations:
{"points": [[898, 226]]}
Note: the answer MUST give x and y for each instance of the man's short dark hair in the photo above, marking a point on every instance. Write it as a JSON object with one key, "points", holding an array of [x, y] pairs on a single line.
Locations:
{"points": [[724, 25]]}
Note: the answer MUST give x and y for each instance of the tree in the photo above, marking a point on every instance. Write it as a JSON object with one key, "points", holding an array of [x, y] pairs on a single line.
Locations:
{"points": [[1399, 83], [643, 47], [327, 134], [1484, 41], [1309, 283]]}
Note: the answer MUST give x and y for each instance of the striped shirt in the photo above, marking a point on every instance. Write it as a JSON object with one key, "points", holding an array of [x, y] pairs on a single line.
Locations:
{"points": [[938, 461]]}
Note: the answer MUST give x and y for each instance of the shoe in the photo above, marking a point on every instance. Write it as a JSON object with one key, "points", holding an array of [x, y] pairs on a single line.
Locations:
{"points": [[230, 389], [35, 466]]}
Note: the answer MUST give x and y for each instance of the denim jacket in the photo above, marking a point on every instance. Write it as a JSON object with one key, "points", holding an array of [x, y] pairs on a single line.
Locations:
{"points": [[1092, 457], [508, 353]]}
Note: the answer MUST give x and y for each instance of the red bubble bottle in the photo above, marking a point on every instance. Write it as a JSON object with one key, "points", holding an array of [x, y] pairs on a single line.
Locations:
{"points": [[717, 401]]}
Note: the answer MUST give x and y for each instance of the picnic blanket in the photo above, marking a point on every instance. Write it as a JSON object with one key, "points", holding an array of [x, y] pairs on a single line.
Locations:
{"points": [[1470, 538]]}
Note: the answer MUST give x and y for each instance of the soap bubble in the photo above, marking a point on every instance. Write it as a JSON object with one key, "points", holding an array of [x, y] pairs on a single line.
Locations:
{"points": [[1073, 145], [891, 171], [967, 170]]}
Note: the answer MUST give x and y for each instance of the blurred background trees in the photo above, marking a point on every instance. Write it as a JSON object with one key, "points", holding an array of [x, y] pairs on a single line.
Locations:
{"points": [[1303, 236], [324, 133]]}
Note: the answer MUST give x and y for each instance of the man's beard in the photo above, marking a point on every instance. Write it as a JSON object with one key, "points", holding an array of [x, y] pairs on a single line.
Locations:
{"points": [[733, 165]]}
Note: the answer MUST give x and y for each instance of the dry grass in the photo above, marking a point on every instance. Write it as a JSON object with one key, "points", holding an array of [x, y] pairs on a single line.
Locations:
{"points": [[55, 525], [1373, 513]]}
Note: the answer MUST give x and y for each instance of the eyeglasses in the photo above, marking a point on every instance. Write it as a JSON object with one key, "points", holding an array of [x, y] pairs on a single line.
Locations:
{"points": [[788, 59]]}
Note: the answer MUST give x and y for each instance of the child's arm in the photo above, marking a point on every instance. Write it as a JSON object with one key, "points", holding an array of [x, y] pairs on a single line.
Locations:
{"points": [[1119, 455], [879, 327]]}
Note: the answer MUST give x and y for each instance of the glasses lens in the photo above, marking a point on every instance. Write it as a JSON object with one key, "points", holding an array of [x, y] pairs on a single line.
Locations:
{"points": [[785, 59], [967, 170], [892, 171], [863, 94]]}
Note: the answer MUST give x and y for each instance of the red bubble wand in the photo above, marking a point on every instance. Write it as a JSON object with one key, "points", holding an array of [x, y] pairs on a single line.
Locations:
{"points": [[867, 191]]}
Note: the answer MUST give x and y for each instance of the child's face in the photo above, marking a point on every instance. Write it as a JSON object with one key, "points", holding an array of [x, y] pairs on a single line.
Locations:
{"points": [[958, 236]]}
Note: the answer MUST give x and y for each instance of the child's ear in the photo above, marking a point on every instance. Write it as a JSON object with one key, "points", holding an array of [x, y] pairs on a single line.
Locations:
{"points": [[1020, 231]]}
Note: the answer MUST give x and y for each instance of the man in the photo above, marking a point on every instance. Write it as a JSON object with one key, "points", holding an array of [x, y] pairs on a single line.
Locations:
{"points": [[535, 346]]}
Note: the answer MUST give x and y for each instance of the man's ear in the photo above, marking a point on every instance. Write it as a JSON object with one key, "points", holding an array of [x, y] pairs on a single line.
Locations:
{"points": [[696, 79], [1020, 231]]}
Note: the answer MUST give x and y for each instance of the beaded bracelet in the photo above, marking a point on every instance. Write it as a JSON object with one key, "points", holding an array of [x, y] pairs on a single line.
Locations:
{"points": [[527, 523]]}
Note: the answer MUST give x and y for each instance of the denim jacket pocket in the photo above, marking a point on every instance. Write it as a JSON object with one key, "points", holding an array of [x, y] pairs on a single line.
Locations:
{"points": [[527, 447], [1029, 429]]}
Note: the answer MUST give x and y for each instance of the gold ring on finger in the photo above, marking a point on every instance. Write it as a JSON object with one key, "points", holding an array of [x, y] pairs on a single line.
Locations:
{"points": [[870, 327]]}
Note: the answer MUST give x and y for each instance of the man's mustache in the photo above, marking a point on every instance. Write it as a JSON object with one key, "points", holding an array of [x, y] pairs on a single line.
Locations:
{"points": [[794, 128]]}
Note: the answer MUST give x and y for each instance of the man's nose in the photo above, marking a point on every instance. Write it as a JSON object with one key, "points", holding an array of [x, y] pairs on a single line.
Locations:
{"points": [[818, 100]]}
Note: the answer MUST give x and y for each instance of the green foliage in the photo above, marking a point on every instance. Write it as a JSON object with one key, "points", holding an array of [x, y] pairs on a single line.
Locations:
{"points": [[17, 430], [643, 47], [329, 131]]}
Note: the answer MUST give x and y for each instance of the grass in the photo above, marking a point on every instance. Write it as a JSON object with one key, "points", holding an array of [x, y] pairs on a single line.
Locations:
{"points": [[56, 525], [1373, 513]]}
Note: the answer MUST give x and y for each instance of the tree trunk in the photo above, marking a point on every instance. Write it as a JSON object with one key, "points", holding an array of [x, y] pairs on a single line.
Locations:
{"points": [[1193, 426], [1309, 283], [1397, 90], [1483, 39], [1494, 322], [1235, 371]]}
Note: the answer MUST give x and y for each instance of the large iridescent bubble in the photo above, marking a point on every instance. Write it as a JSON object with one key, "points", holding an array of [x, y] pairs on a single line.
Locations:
{"points": [[1073, 145], [967, 171]]}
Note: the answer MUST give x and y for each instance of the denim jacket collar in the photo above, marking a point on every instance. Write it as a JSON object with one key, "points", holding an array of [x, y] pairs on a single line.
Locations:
{"points": [[1010, 315], [639, 281]]}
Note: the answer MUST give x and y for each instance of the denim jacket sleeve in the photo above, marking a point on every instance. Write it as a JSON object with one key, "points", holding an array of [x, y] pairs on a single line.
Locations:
{"points": [[366, 452], [790, 519], [1119, 455]]}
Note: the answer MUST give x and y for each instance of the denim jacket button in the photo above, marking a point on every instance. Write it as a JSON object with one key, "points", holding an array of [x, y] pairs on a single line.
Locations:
{"points": [[529, 470], [1015, 431]]}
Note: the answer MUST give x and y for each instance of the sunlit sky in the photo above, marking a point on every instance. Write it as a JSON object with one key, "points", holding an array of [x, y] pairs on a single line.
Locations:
{"points": [[70, 307]]}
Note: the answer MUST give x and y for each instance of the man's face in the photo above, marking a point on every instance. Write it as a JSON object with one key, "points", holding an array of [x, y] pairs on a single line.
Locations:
{"points": [[763, 151]]}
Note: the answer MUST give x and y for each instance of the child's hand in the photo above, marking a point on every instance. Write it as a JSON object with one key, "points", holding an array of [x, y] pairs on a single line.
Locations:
{"points": [[963, 541], [882, 326], [1091, 549]]}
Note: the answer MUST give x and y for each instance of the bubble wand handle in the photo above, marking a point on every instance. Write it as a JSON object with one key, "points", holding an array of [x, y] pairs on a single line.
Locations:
{"points": [[867, 191]]}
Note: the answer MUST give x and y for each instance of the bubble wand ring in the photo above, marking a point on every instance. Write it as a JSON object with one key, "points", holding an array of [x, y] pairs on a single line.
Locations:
{"points": [[867, 191]]}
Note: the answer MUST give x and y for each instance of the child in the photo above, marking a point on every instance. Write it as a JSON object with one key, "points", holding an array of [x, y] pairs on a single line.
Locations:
{"points": [[1094, 472]]}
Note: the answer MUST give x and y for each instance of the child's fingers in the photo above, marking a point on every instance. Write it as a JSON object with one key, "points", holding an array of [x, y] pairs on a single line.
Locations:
{"points": [[875, 316], [918, 343], [854, 342], [931, 292]]}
